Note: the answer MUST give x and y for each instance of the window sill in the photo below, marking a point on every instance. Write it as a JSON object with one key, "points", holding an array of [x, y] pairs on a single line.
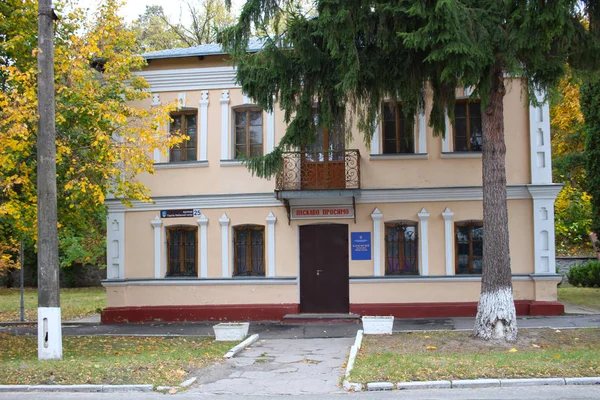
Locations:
{"points": [[462, 154], [407, 156], [194, 281], [181, 164], [231, 163]]}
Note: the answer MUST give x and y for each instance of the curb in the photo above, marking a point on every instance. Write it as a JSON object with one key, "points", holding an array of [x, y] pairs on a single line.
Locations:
{"points": [[238, 348], [349, 386], [471, 383], [77, 388]]}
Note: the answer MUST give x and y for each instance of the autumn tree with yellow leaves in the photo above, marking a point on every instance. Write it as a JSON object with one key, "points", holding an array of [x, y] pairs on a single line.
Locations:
{"points": [[572, 207], [104, 142]]}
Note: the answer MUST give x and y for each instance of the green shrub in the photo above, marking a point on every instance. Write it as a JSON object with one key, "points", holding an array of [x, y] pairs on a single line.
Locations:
{"points": [[586, 275]]}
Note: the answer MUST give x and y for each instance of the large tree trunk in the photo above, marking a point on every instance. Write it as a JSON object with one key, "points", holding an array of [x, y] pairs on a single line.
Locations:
{"points": [[496, 317]]}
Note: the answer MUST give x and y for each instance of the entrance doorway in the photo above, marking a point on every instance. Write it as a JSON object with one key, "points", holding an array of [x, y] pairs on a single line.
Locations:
{"points": [[324, 276]]}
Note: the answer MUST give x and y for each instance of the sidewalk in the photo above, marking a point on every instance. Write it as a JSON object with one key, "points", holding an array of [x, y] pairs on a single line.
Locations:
{"points": [[285, 330]]}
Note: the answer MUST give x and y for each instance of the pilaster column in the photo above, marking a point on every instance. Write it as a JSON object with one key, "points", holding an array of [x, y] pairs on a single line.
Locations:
{"points": [[115, 245], [544, 251], [424, 241], [224, 221], [539, 139], [271, 219], [203, 249], [203, 124], [375, 138], [225, 125], [157, 224], [446, 138], [449, 240], [376, 216], [270, 131], [422, 133]]}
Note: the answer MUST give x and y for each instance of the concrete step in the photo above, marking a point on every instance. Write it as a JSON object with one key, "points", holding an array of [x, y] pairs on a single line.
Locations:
{"points": [[321, 317]]}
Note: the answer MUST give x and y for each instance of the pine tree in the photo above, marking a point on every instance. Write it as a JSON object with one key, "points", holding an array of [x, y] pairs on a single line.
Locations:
{"points": [[356, 53]]}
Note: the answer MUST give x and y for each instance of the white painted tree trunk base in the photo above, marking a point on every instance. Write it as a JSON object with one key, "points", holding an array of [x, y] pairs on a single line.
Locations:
{"points": [[49, 333], [496, 316]]}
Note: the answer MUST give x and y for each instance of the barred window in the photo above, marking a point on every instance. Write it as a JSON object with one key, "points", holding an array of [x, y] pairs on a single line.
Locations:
{"points": [[401, 247], [248, 132], [182, 254], [469, 247], [187, 150], [249, 248], [467, 126]]}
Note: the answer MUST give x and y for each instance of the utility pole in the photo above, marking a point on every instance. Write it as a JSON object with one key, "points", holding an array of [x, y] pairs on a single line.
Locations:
{"points": [[49, 323]]}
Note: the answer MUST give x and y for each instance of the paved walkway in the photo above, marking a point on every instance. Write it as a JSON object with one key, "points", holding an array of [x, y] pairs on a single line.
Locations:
{"points": [[279, 366]]}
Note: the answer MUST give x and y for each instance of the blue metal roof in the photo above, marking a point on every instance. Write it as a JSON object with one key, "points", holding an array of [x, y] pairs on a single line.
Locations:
{"points": [[254, 44]]}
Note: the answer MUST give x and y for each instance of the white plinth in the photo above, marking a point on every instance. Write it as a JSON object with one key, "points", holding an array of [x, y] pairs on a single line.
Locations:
{"points": [[231, 331], [378, 325], [49, 333]]}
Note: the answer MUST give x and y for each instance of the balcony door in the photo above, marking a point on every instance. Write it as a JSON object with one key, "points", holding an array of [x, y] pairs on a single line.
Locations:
{"points": [[323, 162]]}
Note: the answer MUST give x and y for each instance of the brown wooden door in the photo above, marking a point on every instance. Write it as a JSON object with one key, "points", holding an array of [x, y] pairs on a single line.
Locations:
{"points": [[324, 286], [323, 163]]}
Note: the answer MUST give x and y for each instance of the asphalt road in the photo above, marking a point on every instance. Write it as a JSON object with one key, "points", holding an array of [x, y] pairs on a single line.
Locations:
{"points": [[512, 393]]}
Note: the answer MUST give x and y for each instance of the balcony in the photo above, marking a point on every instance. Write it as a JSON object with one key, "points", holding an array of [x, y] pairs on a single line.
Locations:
{"points": [[319, 170]]}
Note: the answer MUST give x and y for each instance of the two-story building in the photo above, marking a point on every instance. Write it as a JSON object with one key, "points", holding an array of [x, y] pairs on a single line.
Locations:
{"points": [[394, 229]]}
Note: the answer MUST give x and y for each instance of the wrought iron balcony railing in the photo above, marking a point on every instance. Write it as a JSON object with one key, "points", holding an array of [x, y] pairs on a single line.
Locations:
{"points": [[320, 170]]}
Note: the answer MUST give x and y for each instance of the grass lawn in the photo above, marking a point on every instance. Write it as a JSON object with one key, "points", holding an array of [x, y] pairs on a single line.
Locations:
{"points": [[74, 303], [423, 356], [108, 360], [586, 297]]}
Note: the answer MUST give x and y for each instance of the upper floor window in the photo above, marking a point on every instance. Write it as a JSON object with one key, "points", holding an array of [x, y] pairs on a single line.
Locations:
{"points": [[249, 250], [401, 248], [467, 126], [248, 132], [182, 254], [398, 134], [469, 247], [186, 123]]}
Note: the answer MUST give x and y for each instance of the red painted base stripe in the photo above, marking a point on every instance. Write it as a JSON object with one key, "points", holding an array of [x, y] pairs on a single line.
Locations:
{"points": [[275, 312]]}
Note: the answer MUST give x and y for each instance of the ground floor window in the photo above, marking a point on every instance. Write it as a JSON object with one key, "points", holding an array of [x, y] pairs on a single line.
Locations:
{"points": [[182, 254], [469, 247], [249, 247], [401, 248]]}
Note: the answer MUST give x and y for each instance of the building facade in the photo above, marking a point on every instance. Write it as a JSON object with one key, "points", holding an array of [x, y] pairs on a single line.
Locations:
{"points": [[394, 228]]}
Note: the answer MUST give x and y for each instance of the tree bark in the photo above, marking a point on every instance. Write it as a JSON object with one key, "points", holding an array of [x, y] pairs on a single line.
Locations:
{"points": [[496, 317]]}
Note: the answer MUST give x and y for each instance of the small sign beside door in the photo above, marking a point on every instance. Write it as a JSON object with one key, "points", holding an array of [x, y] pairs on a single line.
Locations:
{"points": [[180, 213], [360, 243], [321, 212]]}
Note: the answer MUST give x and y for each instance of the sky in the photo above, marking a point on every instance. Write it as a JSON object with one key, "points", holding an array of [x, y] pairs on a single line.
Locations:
{"points": [[133, 8]]}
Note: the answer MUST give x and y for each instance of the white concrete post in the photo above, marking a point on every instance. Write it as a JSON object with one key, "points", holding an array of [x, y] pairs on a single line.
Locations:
{"points": [[376, 216], [203, 124], [225, 125], [449, 240], [224, 221], [157, 224], [271, 219], [424, 241], [49, 323], [543, 228], [203, 250]]}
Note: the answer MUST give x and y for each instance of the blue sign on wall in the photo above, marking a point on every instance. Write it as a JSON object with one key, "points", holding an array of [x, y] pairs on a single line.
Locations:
{"points": [[361, 245]]}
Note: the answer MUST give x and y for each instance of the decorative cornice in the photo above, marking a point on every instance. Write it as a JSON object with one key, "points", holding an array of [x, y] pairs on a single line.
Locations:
{"points": [[199, 201], [381, 157], [189, 79], [461, 154], [431, 278], [365, 196], [548, 192]]}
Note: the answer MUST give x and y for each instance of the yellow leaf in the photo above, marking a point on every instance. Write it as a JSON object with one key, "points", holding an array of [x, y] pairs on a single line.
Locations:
{"points": [[513, 350], [431, 348], [557, 331], [535, 345]]}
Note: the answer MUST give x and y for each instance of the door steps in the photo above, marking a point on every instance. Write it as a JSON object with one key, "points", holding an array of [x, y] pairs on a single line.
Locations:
{"points": [[321, 317]]}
